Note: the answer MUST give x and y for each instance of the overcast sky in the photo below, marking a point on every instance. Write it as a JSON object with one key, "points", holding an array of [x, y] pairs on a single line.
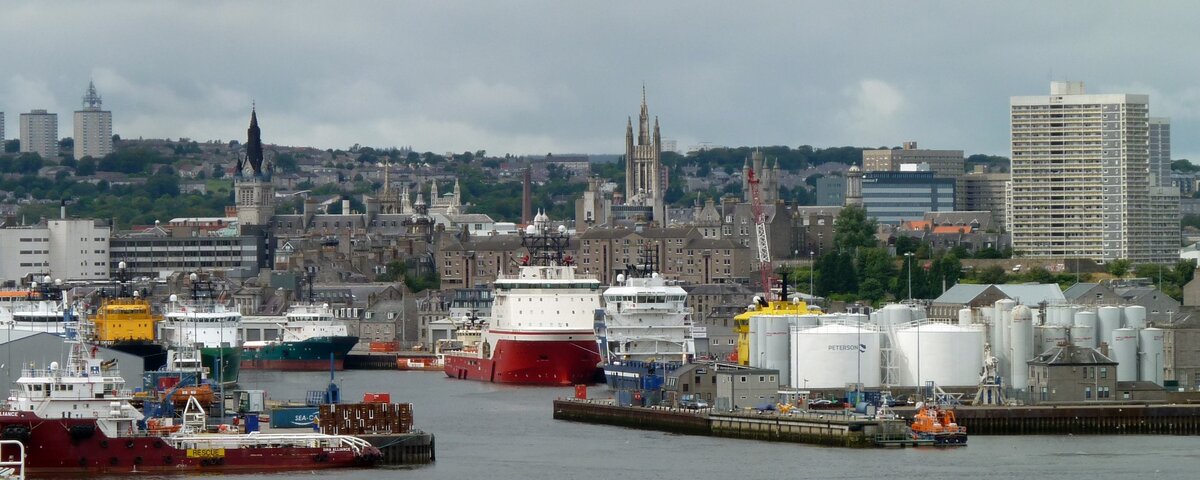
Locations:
{"points": [[535, 77]]}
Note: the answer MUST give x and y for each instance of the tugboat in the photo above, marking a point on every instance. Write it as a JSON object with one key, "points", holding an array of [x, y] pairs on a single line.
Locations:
{"points": [[938, 424], [76, 419], [542, 330]]}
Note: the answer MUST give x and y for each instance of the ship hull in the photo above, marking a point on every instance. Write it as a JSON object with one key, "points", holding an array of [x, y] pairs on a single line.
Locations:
{"points": [[223, 363], [309, 355], [56, 452], [638, 375], [153, 355], [530, 362]]}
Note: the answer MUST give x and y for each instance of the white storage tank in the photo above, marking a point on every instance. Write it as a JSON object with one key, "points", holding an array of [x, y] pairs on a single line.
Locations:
{"points": [[950, 355], [808, 320], [754, 349], [1083, 336], [776, 341], [965, 316], [893, 314], [999, 334], [1020, 346], [1086, 318], [1150, 361], [857, 318], [1109, 318], [831, 356], [1123, 348], [1135, 316], [1052, 336]]}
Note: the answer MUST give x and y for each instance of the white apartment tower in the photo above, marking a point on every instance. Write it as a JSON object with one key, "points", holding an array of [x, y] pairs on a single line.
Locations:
{"points": [[1080, 179], [39, 133], [93, 127], [1160, 151]]}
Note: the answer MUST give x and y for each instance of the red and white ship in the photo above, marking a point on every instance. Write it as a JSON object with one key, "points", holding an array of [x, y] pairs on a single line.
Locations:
{"points": [[542, 329], [77, 420]]}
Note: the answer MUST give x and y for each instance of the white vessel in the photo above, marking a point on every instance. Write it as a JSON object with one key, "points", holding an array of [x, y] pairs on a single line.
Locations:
{"points": [[309, 339], [208, 324], [542, 330], [39, 309], [648, 331]]}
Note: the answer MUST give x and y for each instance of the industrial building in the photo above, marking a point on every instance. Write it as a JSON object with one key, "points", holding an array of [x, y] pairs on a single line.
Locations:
{"points": [[893, 197]]}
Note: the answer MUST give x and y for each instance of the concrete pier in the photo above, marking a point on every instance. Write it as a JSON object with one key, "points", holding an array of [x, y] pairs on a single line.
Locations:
{"points": [[832, 429]]}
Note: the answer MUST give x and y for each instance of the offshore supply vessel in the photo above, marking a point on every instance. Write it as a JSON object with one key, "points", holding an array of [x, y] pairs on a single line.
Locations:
{"points": [[647, 329], [205, 320], [125, 321], [76, 419], [542, 329], [310, 339]]}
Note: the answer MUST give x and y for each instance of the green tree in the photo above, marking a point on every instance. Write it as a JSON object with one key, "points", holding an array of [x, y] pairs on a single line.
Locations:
{"points": [[994, 274], [1118, 268], [12, 146], [854, 229]]}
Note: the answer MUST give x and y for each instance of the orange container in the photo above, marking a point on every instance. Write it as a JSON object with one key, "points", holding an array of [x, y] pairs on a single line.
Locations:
{"points": [[377, 398], [385, 346]]}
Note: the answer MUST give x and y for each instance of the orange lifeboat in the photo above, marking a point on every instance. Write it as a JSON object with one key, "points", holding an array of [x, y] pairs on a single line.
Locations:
{"points": [[203, 393], [938, 424], [162, 426]]}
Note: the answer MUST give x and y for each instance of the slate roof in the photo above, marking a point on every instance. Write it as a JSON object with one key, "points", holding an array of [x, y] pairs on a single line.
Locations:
{"points": [[1071, 355], [1026, 294]]}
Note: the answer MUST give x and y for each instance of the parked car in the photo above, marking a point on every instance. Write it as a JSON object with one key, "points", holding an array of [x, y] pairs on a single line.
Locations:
{"points": [[692, 402]]}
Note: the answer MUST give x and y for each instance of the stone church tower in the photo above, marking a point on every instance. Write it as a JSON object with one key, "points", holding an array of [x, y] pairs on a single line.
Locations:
{"points": [[255, 197], [643, 165]]}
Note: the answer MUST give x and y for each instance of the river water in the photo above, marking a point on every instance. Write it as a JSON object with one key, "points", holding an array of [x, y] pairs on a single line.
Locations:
{"points": [[496, 432]]}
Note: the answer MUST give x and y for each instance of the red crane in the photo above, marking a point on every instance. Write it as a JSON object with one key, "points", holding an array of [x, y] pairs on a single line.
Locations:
{"points": [[760, 231]]}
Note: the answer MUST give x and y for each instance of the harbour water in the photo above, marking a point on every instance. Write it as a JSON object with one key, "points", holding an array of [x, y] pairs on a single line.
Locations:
{"points": [[496, 432]]}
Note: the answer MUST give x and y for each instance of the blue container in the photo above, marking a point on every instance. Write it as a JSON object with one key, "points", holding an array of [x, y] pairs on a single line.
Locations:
{"points": [[293, 417], [251, 423]]}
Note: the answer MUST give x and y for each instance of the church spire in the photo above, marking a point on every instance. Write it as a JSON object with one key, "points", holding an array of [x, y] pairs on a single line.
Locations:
{"points": [[644, 121], [254, 149]]}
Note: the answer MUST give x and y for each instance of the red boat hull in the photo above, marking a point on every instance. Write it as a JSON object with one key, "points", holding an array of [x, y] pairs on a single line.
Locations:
{"points": [[530, 362], [292, 365], [52, 450]]}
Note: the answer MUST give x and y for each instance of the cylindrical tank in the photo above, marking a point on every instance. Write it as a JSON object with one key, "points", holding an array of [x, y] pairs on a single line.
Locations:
{"points": [[1109, 316], [755, 348], [1124, 350], [857, 318], [1020, 346], [1150, 355], [1086, 318], [1083, 336], [894, 314], [1052, 336], [999, 334], [831, 356], [1135, 316], [775, 341], [950, 355], [965, 316], [1107, 320], [807, 321]]}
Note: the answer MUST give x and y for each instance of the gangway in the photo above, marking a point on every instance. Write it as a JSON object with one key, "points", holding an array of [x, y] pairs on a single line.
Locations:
{"points": [[12, 467]]}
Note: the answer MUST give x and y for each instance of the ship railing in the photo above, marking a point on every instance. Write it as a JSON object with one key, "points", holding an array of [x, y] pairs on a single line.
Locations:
{"points": [[313, 440]]}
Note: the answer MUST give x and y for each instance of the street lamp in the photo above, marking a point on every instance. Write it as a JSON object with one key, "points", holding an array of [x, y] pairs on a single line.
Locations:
{"points": [[908, 259], [812, 267]]}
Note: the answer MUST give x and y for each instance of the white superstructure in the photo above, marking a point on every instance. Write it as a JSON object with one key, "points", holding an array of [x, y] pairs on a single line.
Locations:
{"points": [[301, 322], [648, 320], [209, 324]]}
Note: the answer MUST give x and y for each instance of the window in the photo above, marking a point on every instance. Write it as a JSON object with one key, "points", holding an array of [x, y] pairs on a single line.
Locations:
{"points": [[1104, 372], [1087, 393]]}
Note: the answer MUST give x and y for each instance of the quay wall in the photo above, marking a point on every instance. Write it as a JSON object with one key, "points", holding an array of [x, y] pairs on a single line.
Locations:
{"points": [[414, 448], [1079, 420]]}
